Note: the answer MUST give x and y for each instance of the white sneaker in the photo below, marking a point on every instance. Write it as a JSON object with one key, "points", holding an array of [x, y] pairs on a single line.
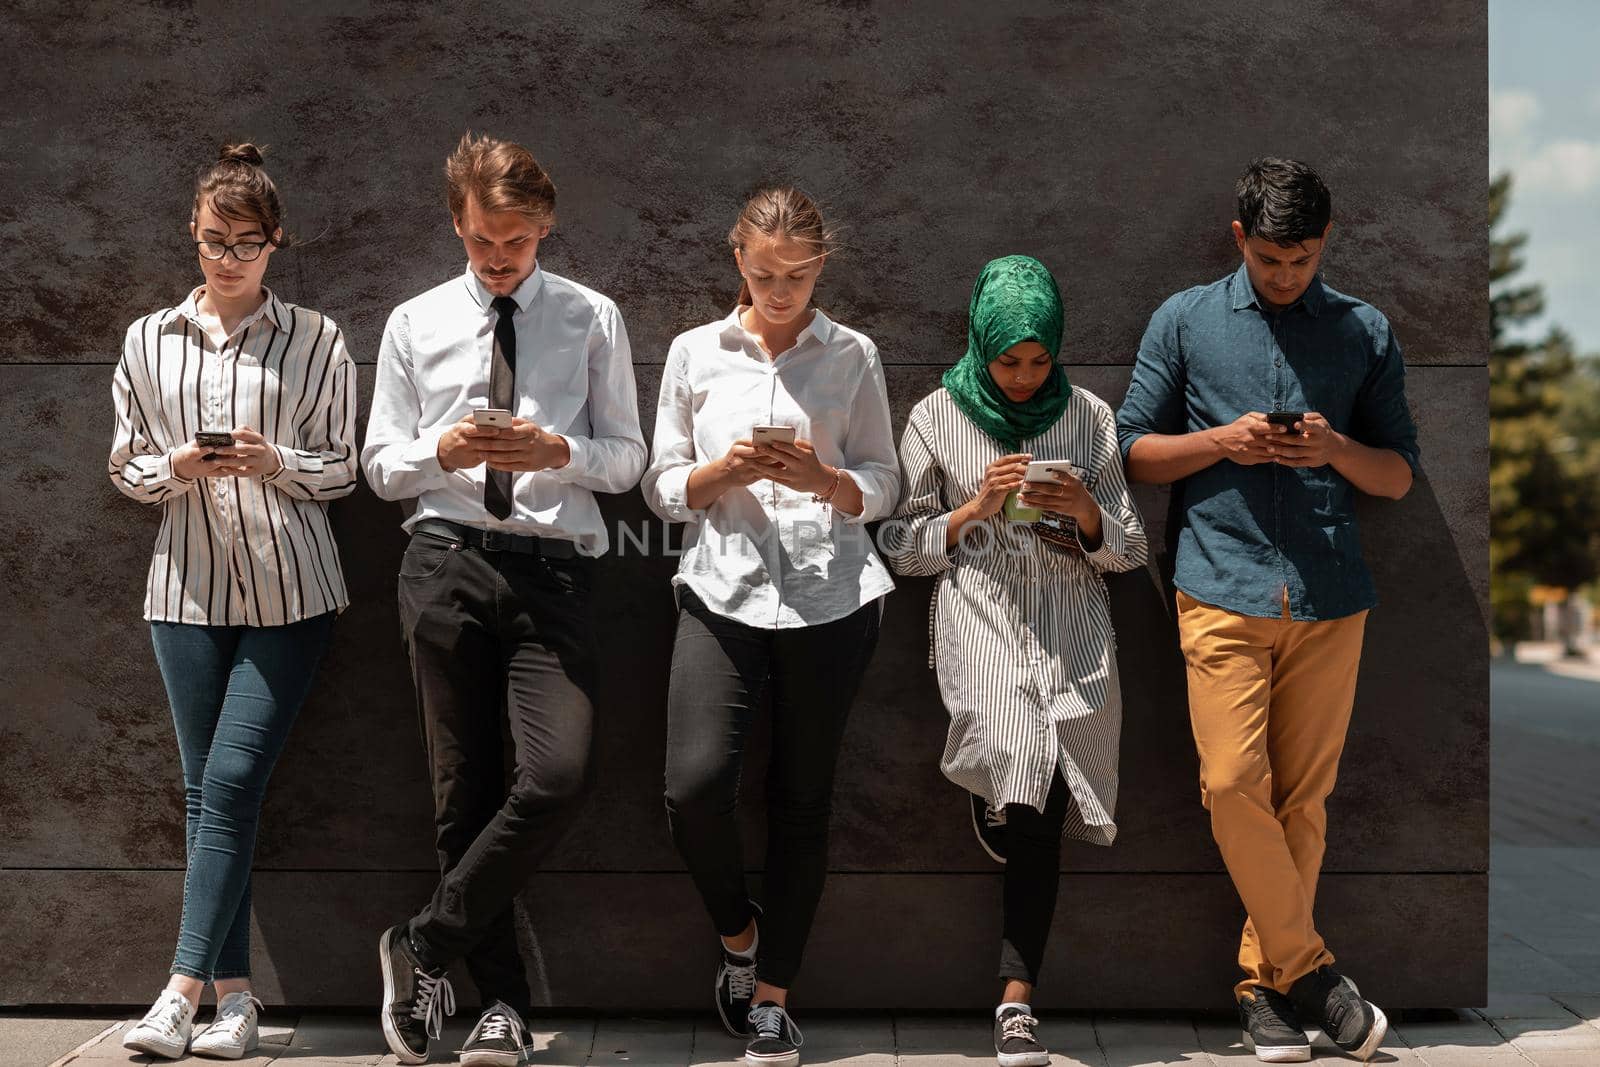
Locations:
{"points": [[164, 1031], [235, 1031]]}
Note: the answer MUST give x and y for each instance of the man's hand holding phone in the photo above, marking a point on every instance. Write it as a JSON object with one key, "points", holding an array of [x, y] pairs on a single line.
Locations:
{"points": [[524, 446], [461, 446], [1250, 439], [1313, 444]]}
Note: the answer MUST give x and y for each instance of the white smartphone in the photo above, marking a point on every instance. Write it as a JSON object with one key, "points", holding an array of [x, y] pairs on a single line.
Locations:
{"points": [[1042, 470], [764, 435], [495, 418]]}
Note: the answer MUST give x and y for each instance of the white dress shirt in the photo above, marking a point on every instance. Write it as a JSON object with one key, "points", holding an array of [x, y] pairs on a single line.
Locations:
{"points": [[238, 551], [574, 377], [767, 555]]}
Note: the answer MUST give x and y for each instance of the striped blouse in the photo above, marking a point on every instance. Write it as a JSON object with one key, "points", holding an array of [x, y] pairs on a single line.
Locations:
{"points": [[237, 551], [1021, 628]]}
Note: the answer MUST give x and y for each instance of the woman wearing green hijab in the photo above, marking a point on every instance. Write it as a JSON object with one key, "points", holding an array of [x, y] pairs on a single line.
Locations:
{"points": [[1021, 631]]}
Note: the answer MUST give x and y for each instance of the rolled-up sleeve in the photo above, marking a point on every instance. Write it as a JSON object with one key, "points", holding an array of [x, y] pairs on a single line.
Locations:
{"points": [[1382, 417], [673, 456], [914, 540], [869, 455], [1154, 403]]}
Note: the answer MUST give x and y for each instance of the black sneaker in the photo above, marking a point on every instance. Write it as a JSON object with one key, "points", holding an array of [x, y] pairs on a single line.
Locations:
{"points": [[736, 984], [415, 999], [990, 827], [1332, 1002], [774, 1038], [1015, 1044], [497, 1040], [1272, 1028]]}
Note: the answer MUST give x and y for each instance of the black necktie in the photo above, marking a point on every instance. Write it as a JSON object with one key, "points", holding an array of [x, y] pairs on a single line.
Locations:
{"points": [[502, 376]]}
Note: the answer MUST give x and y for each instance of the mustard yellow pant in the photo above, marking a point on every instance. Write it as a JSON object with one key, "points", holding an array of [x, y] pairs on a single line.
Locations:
{"points": [[1270, 701]]}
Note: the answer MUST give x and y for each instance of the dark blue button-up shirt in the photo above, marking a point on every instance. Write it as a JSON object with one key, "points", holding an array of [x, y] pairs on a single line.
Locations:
{"points": [[1211, 354]]}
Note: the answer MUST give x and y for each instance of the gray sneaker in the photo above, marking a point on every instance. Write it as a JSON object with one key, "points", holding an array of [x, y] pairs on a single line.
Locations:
{"points": [[497, 1040], [1015, 1043]]}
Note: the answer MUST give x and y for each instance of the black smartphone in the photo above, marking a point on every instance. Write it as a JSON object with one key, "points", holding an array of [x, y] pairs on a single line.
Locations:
{"points": [[1286, 419], [212, 439]]}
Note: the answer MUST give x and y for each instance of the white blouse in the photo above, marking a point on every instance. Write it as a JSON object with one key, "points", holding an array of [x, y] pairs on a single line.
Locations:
{"points": [[238, 551], [767, 555]]}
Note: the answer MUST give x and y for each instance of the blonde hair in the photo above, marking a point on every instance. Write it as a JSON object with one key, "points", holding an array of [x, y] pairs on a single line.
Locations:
{"points": [[782, 210], [237, 188], [500, 176]]}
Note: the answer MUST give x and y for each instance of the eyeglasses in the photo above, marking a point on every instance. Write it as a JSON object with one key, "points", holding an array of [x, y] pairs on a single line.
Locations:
{"points": [[243, 251]]}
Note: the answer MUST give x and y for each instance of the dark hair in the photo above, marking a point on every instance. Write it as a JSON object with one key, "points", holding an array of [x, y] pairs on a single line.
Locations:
{"points": [[1282, 201], [782, 210], [500, 176], [237, 188]]}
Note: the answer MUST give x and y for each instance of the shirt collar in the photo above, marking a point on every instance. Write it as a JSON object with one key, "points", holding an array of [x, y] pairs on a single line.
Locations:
{"points": [[1244, 294], [523, 294], [272, 309], [820, 327]]}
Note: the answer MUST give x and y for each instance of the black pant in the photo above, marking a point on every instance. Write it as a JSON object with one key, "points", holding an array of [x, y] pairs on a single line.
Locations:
{"points": [[720, 669], [495, 637], [1033, 874]]}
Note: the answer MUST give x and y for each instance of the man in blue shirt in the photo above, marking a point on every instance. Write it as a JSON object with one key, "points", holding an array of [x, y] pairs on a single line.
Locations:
{"points": [[1269, 399]]}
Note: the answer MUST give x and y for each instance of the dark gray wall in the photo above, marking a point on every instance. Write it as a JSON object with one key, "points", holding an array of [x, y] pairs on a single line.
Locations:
{"points": [[1103, 138]]}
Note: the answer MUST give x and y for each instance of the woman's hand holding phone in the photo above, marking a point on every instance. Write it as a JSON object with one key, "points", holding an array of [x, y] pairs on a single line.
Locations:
{"points": [[1064, 494], [248, 456]]}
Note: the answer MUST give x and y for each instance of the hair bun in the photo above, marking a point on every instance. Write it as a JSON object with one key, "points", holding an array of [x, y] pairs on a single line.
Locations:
{"points": [[241, 153]]}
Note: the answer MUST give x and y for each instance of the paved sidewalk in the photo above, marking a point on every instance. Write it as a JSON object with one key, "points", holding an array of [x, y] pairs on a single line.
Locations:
{"points": [[1543, 1031], [1544, 956]]}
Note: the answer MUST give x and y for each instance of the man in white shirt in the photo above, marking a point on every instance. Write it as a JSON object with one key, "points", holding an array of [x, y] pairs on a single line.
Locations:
{"points": [[494, 585]]}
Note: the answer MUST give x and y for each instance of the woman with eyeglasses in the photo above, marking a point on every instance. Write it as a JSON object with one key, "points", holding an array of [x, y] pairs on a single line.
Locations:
{"points": [[235, 415]]}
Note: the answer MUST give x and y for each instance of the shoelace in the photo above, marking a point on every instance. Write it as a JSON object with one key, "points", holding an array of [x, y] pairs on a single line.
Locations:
{"points": [[435, 999], [496, 1023], [992, 817], [1018, 1025], [741, 978], [234, 1013], [770, 1020], [165, 1015]]}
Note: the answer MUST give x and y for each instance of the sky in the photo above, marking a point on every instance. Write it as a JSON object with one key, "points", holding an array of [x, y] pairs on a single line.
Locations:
{"points": [[1544, 127]]}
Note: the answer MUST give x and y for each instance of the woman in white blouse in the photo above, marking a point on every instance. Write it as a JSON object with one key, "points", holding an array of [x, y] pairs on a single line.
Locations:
{"points": [[773, 443], [1021, 628], [245, 580]]}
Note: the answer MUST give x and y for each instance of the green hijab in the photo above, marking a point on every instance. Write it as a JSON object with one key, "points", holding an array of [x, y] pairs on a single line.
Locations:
{"points": [[1015, 299]]}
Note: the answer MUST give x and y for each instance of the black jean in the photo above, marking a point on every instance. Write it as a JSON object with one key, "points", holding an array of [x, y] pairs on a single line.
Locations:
{"points": [[495, 637], [1033, 874], [720, 670]]}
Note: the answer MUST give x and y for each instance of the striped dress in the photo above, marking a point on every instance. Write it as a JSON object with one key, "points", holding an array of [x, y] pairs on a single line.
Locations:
{"points": [[1020, 630], [238, 551]]}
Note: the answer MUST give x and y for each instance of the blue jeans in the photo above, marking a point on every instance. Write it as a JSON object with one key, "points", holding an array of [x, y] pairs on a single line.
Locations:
{"points": [[235, 692]]}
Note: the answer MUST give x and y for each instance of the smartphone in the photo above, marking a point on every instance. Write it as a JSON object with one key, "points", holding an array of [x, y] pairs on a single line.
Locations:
{"points": [[765, 435], [1044, 471], [1286, 419], [209, 439], [493, 418]]}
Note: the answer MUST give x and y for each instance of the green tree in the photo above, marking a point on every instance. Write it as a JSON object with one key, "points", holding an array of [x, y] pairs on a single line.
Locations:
{"points": [[1544, 517]]}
